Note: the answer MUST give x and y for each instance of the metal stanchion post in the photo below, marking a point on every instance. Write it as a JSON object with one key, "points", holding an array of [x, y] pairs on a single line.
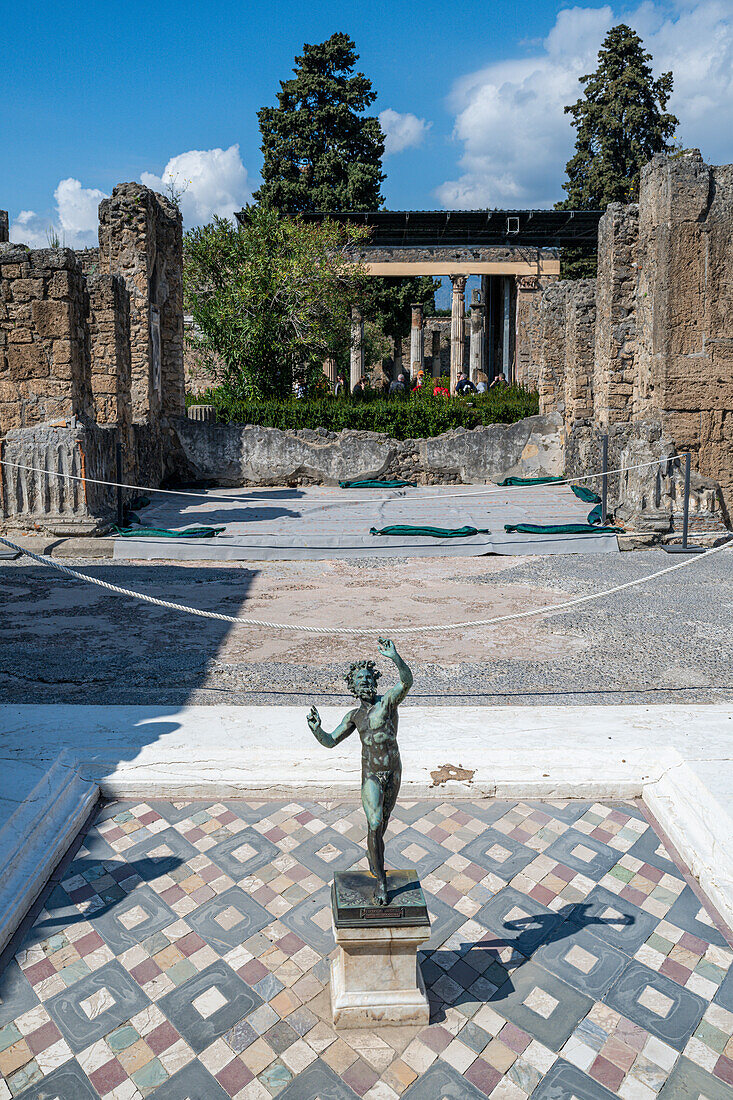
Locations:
{"points": [[604, 490], [120, 509], [685, 548]]}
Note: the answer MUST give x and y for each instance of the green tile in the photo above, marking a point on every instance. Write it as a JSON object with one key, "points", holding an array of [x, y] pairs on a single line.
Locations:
{"points": [[74, 971], [710, 971], [200, 817], [54, 943], [663, 895], [9, 1035], [122, 1038], [623, 874], [275, 1077], [22, 1078], [181, 971], [658, 943], [156, 942], [710, 1035], [150, 1076]]}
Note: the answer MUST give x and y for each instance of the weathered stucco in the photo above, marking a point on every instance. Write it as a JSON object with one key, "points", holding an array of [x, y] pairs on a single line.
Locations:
{"points": [[246, 454]]}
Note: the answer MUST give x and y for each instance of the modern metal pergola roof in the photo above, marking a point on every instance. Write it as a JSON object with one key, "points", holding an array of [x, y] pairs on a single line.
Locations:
{"points": [[470, 228]]}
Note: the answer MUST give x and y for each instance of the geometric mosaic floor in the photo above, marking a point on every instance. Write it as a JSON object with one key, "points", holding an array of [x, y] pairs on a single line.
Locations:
{"points": [[182, 952]]}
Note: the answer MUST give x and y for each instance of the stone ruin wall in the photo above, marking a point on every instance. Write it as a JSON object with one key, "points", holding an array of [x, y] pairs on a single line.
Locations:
{"points": [[4, 233], [79, 359], [647, 356], [528, 327]]}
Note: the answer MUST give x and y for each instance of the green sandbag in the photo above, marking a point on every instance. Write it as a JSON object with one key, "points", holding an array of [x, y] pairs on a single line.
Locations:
{"points": [[529, 480], [370, 483], [430, 532], [561, 529], [585, 494], [163, 533]]}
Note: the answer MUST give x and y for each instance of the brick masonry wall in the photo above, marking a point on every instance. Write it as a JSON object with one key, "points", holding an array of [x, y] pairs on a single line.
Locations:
{"points": [[4, 227], [109, 335], [528, 329], [44, 340], [615, 340], [685, 368], [552, 322], [580, 328]]}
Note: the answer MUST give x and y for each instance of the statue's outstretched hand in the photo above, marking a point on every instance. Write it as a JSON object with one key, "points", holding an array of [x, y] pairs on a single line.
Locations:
{"points": [[314, 720], [387, 648]]}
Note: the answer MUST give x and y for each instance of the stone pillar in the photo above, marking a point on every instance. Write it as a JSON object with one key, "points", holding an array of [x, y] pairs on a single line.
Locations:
{"points": [[476, 349], [457, 328], [615, 333], [397, 358], [357, 347], [329, 369], [506, 326], [416, 341], [4, 231], [436, 363]]}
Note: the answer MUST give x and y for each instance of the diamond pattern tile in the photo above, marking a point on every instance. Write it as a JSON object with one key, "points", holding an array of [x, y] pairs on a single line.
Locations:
{"points": [[185, 953]]}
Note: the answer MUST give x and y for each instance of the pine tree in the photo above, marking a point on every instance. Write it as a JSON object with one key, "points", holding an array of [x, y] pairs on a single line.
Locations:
{"points": [[320, 151], [621, 122]]}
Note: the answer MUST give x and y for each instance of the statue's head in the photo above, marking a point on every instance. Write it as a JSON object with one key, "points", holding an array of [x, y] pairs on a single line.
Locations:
{"points": [[361, 680]]}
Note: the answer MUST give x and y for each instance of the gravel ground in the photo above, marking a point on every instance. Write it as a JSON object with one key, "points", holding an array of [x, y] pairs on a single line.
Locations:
{"points": [[669, 641]]}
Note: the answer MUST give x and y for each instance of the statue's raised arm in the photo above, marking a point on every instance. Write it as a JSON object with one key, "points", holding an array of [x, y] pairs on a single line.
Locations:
{"points": [[397, 693]]}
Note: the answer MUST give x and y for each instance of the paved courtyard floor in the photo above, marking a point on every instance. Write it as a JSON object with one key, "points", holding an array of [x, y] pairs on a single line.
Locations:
{"points": [[182, 950]]}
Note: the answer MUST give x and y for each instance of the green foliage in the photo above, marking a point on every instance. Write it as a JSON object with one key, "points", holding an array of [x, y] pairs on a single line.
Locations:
{"points": [[271, 299], [621, 122], [418, 416], [320, 151]]}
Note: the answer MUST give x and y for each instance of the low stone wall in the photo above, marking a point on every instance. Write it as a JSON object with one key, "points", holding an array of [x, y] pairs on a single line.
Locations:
{"points": [[233, 454]]}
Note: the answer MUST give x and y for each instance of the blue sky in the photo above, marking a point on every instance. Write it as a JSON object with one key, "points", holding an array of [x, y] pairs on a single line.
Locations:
{"points": [[471, 95]]}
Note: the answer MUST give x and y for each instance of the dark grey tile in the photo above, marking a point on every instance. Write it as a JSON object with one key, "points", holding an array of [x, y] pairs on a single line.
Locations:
{"points": [[253, 811], [320, 1081], [410, 812], [200, 1026], [193, 1082], [444, 920], [688, 1080], [300, 919], [73, 1019], [16, 993], [565, 1082], [541, 1004], [112, 924], [243, 853], [518, 919], [582, 960], [68, 1082], [215, 922], [442, 1082], [686, 913], [179, 811], [614, 920], [583, 854], [671, 1013], [425, 853], [506, 863], [724, 996], [570, 812], [327, 851], [650, 849], [160, 853]]}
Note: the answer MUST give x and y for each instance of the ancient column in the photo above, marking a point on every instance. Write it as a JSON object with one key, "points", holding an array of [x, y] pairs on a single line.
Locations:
{"points": [[436, 364], [457, 328], [476, 347], [357, 347], [416, 341], [397, 358], [506, 324], [329, 369]]}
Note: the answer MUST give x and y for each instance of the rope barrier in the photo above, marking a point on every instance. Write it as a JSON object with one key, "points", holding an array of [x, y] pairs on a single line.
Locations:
{"points": [[363, 631], [396, 495]]}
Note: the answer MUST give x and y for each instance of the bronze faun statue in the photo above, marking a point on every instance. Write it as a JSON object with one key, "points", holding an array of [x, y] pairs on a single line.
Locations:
{"points": [[381, 768]]}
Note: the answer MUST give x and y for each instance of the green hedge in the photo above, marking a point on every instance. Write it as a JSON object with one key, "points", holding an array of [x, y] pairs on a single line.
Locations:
{"points": [[413, 417]]}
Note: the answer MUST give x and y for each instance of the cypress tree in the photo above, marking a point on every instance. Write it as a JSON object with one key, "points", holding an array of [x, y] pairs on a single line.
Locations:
{"points": [[621, 122]]}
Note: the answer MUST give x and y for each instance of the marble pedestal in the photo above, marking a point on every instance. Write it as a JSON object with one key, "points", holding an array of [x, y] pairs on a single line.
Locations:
{"points": [[375, 977]]}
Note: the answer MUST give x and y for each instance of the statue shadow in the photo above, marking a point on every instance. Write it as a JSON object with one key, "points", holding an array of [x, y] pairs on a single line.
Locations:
{"points": [[482, 971]]}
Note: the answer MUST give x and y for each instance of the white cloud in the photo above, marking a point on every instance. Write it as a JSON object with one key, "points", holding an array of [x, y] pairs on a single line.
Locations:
{"points": [[509, 116], [74, 220], [402, 131], [215, 182]]}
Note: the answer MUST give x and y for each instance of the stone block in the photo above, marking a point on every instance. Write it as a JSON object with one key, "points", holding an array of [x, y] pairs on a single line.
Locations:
{"points": [[53, 319], [26, 290], [27, 361]]}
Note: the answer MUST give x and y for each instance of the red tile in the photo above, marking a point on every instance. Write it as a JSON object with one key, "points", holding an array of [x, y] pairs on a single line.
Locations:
{"points": [[461, 817], [483, 1076], [563, 872], [173, 893], [43, 1037], [360, 1077], [724, 1069], [654, 874], [88, 943], [145, 971], [520, 835], [675, 971], [162, 1037], [304, 817], [631, 1034], [634, 896], [474, 871], [516, 1039], [194, 834], [606, 1073], [692, 943], [619, 1053], [149, 817], [449, 894], [275, 834], [39, 971], [298, 873], [226, 818], [234, 1077], [618, 816], [202, 894], [290, 943], [263, 895], [114, 834], [108, 1077], [438, 834], [253, 971], [436, 1037], [190, 943], [208, 874], [542, 894]]}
